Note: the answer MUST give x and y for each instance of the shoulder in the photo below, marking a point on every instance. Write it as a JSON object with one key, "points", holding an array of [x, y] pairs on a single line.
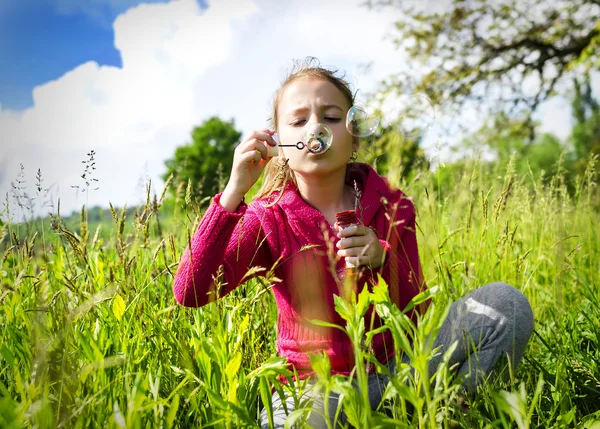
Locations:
{"points": [[401, 203]]}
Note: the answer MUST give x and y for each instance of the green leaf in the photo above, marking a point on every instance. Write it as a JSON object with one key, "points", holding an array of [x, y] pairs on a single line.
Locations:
{"points": [[233, 388], [118, 307], [327, 325], [420, 298], [7, 355], [320, 363], [363, 301], [233, 366], [271, 367], [173, 411], [266, 397], [297, 418], [380, 291], [591, 421], [343, 307]]}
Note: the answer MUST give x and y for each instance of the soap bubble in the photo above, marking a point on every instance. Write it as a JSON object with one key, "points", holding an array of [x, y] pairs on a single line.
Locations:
{"points": [[362, 121], [317, 138], [414, 114]]}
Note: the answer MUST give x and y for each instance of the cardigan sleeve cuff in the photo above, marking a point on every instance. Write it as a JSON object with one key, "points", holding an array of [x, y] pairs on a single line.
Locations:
{"points": [[240, 209], [386, 252]]}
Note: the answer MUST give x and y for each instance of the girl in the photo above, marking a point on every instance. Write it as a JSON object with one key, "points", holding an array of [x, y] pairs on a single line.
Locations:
{"points": [[291, 225]]}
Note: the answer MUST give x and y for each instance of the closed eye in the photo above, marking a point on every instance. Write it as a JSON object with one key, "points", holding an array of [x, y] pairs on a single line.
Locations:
{"points": [[302, 121]]}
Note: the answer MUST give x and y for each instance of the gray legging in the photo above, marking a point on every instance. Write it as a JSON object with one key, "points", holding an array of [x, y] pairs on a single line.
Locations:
{"points": [[493, 320]]}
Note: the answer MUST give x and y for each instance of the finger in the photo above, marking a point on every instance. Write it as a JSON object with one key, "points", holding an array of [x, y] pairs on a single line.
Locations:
{"points": [[337, 229], [255, 145], [262, 149], [251, 157], [357, 261], [352, 251], [353, 230], [354, 241], [266, 149], [257, 135], [263, 135], [270, 132]]}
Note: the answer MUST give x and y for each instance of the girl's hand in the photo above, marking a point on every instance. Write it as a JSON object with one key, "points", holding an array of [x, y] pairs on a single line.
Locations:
{"points": [[249, 160], [360, 246]]}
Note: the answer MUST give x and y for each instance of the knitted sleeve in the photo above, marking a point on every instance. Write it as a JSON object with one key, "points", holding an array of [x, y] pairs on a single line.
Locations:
{"points": [[224, 247]]}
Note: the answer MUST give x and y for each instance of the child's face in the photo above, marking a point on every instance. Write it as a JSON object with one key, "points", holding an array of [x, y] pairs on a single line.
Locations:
{"points": [[312, 101]]}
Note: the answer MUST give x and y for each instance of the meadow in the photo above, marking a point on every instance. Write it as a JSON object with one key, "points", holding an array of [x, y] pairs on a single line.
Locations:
{"points": [[91, 336]]}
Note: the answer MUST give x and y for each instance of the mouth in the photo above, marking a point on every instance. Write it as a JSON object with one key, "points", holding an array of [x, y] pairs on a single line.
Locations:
{"points": [[313, 154], [316, 146]]}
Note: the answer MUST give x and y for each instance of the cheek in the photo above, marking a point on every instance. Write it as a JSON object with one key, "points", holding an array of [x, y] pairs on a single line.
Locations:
{"points": [[291, 154], [345, 141], [288, 153], [289, 136]]}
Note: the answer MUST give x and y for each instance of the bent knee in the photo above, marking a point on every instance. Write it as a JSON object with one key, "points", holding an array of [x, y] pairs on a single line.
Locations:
{"points": [[511, 301]]}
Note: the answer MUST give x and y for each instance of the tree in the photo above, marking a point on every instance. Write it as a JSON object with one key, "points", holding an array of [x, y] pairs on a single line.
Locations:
{"points": [[394, 155], [205, 163], [496, 51], [585, 135]]}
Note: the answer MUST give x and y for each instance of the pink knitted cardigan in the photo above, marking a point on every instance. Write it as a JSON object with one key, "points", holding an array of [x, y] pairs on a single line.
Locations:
{"points": [[294, 237]]}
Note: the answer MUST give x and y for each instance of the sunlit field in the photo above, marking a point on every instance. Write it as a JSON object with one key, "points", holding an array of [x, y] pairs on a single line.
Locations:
{"points": [[91, 335]]}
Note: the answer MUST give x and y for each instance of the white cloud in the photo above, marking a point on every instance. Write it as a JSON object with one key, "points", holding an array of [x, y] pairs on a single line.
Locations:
{"points": [[180, 66], [130, 116]]}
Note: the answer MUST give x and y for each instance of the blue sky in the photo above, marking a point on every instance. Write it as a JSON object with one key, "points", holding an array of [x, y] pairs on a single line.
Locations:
{"points": [[42, 39]]}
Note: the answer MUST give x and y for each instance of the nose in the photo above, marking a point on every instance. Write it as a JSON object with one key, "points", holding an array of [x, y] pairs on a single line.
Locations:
{"points": [[313, 119]]}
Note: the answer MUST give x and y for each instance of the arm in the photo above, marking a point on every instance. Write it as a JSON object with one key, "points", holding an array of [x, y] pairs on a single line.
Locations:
{"points": [[225, 242], [229, 235]]}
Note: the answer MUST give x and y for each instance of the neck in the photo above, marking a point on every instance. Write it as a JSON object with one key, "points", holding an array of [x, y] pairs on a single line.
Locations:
{"points": [[328, 194]]}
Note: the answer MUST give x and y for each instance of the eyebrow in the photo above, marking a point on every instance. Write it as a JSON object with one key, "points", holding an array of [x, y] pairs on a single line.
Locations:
{"points": [[323, 107]]}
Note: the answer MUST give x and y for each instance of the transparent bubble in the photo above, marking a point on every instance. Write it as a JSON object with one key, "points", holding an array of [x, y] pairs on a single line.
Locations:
{"points": [[317, 138], [362, 121], [414, 114]]}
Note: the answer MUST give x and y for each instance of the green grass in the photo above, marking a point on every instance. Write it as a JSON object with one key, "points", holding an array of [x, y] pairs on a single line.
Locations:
{"points": [[90, 334]]}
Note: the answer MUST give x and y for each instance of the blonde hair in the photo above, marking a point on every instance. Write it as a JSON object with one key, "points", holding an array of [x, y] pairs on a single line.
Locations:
{"points": [[277, 174]]}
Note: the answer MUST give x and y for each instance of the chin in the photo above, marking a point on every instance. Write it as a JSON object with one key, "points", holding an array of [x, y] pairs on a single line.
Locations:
{"points": [[318, 166]]}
